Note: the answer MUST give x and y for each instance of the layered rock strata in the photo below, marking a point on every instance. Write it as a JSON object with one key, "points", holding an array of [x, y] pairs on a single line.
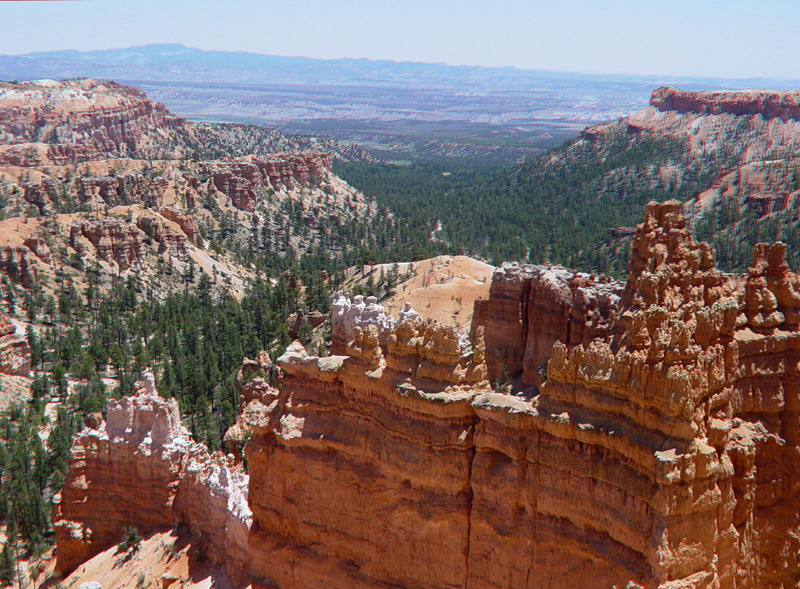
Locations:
{"points": [[15, 354], [530, 307], [168, 239], [65, 122], [368, 458], [662, 448], [141, 468], [187, 224], [114, 240], [240, 179], [253, 382], [662, 451], [767, 103]]}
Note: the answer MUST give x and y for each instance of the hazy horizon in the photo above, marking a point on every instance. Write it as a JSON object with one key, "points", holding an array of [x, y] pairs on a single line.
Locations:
{"points": [[399, 61], [735, 39]]}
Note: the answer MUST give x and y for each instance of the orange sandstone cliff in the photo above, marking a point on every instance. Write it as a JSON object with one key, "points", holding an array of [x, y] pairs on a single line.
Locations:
{"points": [[141, 468], [659, 446]]}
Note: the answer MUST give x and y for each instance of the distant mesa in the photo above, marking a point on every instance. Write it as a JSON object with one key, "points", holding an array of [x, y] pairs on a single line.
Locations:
{"points": [[767, 103]]}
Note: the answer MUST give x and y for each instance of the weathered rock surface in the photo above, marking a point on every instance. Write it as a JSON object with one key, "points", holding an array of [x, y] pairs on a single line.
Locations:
{"points": [[662, 449], [348, 315], [141, 468], [15, 354], [187, 224], [253, 378], [114, 240], [531, 307], [769, 104], [253, 381], [167, 238], [365, 451], [16, 263], [78, 120], [239, 179], [297, 320]]}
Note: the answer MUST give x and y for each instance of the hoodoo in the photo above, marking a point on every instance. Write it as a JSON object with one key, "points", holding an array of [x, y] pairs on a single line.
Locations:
{"points": [[659, 446], [140, 468]]}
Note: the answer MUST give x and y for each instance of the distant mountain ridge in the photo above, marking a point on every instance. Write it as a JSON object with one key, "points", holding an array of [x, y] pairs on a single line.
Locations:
{"points": [[160, 61], [399, 110]]}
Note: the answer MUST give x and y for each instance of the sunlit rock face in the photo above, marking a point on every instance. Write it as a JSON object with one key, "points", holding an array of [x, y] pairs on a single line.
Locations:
{"points": [[660, 446], [77, 120], [531, 307], [141, 468]]}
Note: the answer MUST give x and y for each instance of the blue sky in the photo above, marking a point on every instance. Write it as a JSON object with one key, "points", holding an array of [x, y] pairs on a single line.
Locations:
{"points": [[666, 37]]}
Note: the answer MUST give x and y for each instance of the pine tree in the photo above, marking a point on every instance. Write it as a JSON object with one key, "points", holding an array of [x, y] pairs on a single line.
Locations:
{"points": [[8, 565]]}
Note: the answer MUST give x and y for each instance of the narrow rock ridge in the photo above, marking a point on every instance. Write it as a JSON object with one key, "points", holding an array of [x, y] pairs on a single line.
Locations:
{"points": [[662, 451], [141, 468], [660, 447], [769, 104]]}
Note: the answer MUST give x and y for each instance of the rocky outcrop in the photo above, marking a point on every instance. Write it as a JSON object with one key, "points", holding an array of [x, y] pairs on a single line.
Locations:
{"points": [[531, 307], [79, 119], [15, 354], [241, 179], [187, 224], [659, 444], [295, 321], [39, 247], [662, 451], [42, 194], [769, 104], [255, 391], [114, 240], [16, 263], [141, 468], [366, 452], [347, 316], [168, 239], [253, 378], [108, 188]]}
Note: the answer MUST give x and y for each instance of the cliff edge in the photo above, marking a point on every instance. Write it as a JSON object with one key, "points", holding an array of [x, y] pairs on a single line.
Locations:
{"points": [[659, 446]]}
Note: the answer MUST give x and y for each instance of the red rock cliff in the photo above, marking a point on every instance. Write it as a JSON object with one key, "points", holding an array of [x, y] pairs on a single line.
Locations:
{"points": [[531, 307], [80, 120], [662, 452], [767, 103], [662, 448], [141, 468], [239, 179]]}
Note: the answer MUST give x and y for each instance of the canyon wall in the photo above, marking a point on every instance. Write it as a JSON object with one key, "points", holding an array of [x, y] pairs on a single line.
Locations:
{"points": [[661, 449], [659, 446], [360, 468], [239, 179], [767, 103], [65, 122], [140, 468]]}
